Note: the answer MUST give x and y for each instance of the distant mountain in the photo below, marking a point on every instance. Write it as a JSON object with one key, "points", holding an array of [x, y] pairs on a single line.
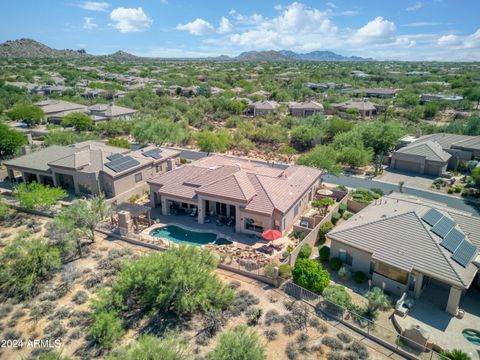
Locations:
{"points": [[27, 48]]}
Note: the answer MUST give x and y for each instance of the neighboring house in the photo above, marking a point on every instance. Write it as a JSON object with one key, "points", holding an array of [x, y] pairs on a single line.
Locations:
{"points": [[254, 197], [408, 245], [261, 108], [262, 93], [56, 110], [305, 109], [365, 108], [434, 154], [102, 112], [376, 92], [440, 97], [93, 167]]}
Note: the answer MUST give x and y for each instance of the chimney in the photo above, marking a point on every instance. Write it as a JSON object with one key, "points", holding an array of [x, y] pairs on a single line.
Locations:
{"points": [[170, 164], [25, 150]]}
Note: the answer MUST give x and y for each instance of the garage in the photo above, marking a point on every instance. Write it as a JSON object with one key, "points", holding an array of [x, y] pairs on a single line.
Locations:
{"points": [[408, 166], [433, 169]]}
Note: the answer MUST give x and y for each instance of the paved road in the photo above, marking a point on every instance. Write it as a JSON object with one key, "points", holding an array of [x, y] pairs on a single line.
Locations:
{"points": [[356, 182]]}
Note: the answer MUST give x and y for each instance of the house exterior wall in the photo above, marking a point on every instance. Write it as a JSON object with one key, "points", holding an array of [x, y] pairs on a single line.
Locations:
{"points": [[83, 182], [360, 259]]}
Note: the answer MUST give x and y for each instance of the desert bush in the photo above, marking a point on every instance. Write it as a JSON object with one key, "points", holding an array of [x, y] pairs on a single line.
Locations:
{"points": [[324, 252], [253, 316], [6, 310], [350, 355], [63, 312], [305, 251], [11, 334], [18, 314], [291, 351], [270, 334], [76, 334], [310, 275], [93, 280], [242, 301], [290, 324], [344, 273], [359, 349], [359, 277], [234, 284], [54, 330], [272, 317], [80, 297], [345, 338], [202, 339], [38, 311], [213, 321], [332, 343], [334, 355], [335, 217], [285, 271]]}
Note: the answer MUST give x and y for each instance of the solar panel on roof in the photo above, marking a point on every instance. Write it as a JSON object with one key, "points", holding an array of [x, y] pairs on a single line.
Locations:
{"points": [[443, 226], [153, 153], [124, 163], [432, 217], [114, 157], [464, 253], [452, 240]]}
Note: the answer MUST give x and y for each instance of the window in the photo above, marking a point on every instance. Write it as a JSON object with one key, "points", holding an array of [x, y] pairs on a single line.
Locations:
{"points": [[138, 177], [391, 273], [372, 267], [250, 224], [295, 210], [158, 168]]}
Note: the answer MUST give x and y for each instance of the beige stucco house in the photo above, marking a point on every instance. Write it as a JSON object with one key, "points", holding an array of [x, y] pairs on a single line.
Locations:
{"points": [[93, 167], [305, 109], [407, 245], [252, 197], [364, 108]]}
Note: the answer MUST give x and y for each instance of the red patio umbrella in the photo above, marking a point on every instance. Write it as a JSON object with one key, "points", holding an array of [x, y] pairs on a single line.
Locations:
{"points": [[271, 235]]}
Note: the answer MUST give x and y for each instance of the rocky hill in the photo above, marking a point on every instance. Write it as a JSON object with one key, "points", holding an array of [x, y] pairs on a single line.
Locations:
{"points": [[286, 55], [27, 48]]}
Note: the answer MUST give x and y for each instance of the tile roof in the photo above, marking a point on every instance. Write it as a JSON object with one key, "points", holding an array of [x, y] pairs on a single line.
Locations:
{"points": [[446, 141], [262, 188], [39, 160], [359, 105], [429, 149], [391, 230]]}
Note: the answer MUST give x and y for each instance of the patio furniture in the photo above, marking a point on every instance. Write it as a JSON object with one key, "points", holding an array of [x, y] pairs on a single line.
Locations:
{"points": [[403, 305], [194, 212]]}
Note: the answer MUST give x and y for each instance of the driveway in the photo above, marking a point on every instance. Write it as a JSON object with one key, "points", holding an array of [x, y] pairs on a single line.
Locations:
{"points": [[411, 180]]}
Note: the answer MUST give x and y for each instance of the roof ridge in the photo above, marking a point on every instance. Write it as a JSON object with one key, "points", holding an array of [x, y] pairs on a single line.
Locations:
{"points": [[264, 190], [235, 174], [440, 250]]}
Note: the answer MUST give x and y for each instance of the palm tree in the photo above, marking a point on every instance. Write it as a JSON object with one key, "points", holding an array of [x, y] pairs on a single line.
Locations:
{"points": [[455, 354], [378, 300]]}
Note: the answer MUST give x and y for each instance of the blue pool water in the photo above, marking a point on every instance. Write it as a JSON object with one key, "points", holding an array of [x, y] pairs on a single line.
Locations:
{"points": [[182, 236]]}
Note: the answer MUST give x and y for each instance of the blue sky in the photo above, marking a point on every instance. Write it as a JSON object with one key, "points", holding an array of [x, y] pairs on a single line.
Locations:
{"points": [[382, 29]]}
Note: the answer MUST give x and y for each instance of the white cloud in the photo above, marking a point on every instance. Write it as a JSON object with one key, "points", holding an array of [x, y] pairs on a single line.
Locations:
{"points": [[379, 30], [130, 20], [415, 6], [94, 6], [197, 27], [331, 5], [89, 24], [422, 24], [225, 26], [452, 41]]}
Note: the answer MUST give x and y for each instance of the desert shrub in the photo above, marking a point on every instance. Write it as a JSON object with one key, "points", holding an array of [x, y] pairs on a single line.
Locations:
{"points": [[342, 208], [5, 310], [345, 338], [242, 301], [344, 273], [335, 217], [347, 215], [18, 314], [235, 284], [271, 334], [253, 316], [455, 354], [337, 295], [314, 322], [324, 252], [350, 355], [335, 355], [305, 251], [335, 264], [289, 304], [54, 330], [332, 343], [237, 344], [290, 324], [39, 311], [12, 323], [213, 321], [285, 271], [359, 277], [80, 297], [76, 334], [202, 339], [93, 280], [302, 338], [378, 300], [272, 317], [359, 349], [291, 351], [63, 312], [106, 328]]}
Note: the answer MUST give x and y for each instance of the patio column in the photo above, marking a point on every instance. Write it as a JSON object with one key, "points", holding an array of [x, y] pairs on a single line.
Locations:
{"points": [[11, 174], [453, 300], [201, 210], [418, 286], [164, 205], [238, 220]]}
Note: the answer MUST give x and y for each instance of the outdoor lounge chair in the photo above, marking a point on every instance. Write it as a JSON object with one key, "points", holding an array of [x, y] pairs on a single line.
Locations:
{"points": [[194, 212]]}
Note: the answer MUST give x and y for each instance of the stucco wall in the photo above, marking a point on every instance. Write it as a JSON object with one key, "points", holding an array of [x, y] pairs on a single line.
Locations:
{"points": [[360, 259]]}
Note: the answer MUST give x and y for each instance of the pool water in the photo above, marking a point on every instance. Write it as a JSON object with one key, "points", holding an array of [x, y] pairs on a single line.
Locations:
{"points": [[182, 236], [472, 335]]}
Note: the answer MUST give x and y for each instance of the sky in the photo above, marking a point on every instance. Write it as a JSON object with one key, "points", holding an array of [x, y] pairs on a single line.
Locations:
{"points": [[444, 30]]}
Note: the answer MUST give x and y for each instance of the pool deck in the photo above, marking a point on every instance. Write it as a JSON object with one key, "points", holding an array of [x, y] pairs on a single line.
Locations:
{"points": [[190, 223]]}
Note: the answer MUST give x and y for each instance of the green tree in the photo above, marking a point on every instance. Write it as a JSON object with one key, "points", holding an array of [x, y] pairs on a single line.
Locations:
{"points": [[78, 120], [64, 137], [181, 280], [210, 141], [160, 131], [10, 140], [305, 251], [455, 354], [29, 114], [170, 347], [26, 262], [78, 222], [322, 157], [323, 204], [304, 137], [38, 196], [238, 344], [355, 156], [310, 275], [106, 328], [119, 142], [335, 126], [338, 295]]}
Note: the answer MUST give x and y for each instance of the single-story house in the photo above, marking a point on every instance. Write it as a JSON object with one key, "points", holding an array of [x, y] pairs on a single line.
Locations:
{"points": [[440, 97], [253, 197], [92, 167], [111, 111], [305, 109], [434, 154], [365, 108], [407, 245], [376, 92], [261, 108], [262, 93], [56, 110]]}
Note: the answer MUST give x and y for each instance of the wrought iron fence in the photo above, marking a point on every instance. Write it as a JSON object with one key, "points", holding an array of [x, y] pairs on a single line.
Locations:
{"points": [[326, 308]]}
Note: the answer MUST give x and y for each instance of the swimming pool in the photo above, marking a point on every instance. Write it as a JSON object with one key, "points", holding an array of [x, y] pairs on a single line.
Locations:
{"points": [[183, 236]]}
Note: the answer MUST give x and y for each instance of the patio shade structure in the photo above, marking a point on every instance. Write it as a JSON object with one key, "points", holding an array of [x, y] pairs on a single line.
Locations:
{"points": [[324, 192], [271, 235]]}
